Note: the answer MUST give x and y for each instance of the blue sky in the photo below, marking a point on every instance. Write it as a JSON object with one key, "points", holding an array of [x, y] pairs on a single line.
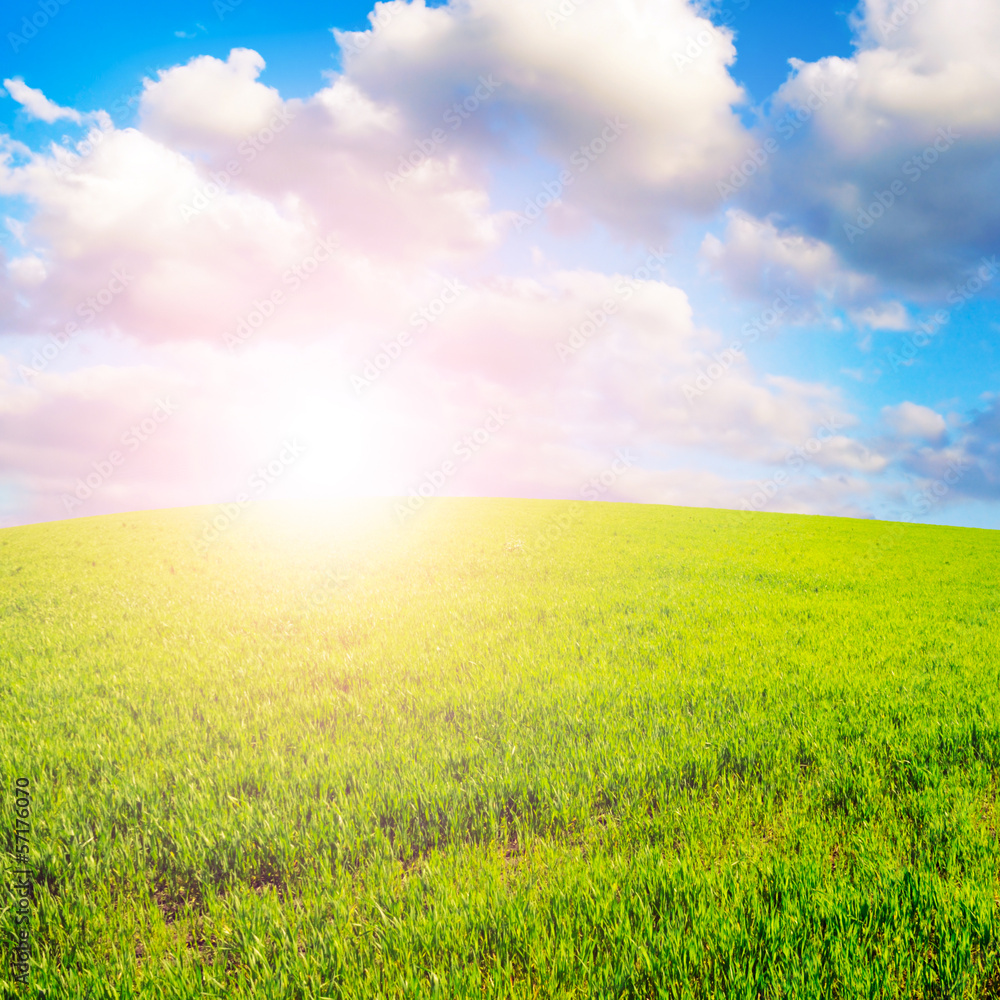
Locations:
{"points": [[873, 213], [91, 53]]}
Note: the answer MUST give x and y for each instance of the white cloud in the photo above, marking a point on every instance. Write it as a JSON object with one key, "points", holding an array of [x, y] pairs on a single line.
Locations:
{"points": [[759, 259], [897, 166], [910, 420], [208, 100], [607, 61], [496, 347], [27, 271], [208, 205], [206, 241], [36, 104], [884, 316]]}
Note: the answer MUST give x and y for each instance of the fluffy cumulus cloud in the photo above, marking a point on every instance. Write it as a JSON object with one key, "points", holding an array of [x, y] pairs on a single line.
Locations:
{"points": [[633, 103], [891, 156], [759, 258], [208, 101], [321, 288], [207, 242], [507, 385], [948, 460], [979, 462]]}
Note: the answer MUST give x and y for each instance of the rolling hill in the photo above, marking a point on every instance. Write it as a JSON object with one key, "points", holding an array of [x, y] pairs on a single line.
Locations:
{"points": [[501, 748]]}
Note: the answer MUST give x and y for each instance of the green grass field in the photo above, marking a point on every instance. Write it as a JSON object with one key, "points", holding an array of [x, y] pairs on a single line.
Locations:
{"points": [[503, 749]]}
